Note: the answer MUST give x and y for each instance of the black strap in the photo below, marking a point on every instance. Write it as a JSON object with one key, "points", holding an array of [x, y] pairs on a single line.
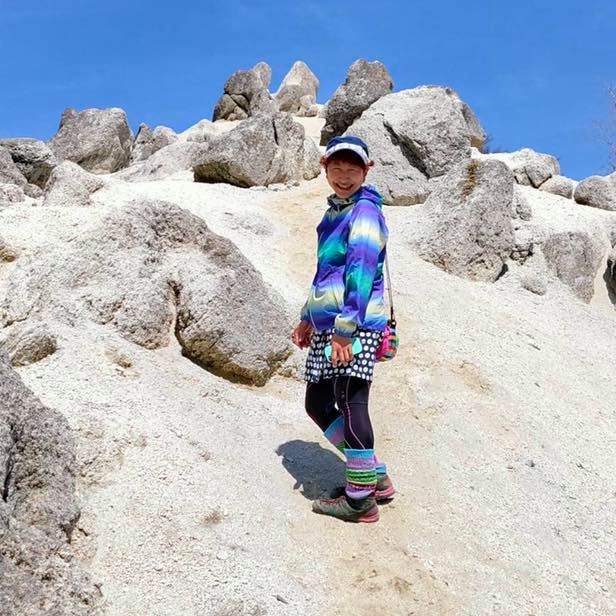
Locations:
{"points": [[389, 289]]}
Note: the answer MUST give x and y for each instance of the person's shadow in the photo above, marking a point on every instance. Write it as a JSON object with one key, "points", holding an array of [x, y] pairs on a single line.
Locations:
{"points": [[317, 471]]}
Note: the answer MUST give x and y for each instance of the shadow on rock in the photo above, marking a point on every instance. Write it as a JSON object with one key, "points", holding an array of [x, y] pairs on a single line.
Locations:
{"points": [[316, 470], [609, 276]]}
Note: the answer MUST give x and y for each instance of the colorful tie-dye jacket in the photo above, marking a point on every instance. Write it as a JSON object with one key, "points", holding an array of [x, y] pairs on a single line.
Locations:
{"points": [[347, 290]]}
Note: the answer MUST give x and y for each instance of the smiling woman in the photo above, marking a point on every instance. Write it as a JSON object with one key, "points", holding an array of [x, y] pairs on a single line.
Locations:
{"points": [[342, 323], [346, 164]]}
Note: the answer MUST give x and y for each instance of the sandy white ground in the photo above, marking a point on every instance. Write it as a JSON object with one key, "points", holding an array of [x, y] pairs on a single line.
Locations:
{"points": [[497, 421]]}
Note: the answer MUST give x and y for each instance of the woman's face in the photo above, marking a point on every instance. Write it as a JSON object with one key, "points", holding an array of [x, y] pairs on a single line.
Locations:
{"points": [[344, 177]]}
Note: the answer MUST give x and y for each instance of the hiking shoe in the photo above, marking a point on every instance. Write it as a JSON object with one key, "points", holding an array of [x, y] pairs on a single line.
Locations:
{"points": [[384, 490], [348, 509]]}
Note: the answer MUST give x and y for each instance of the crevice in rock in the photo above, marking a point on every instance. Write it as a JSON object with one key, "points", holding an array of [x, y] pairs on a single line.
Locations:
{"points": [[276, 141], [8, 473], [503, 271], [407, 150], [8, 469], [174, 301], [609, 276]]}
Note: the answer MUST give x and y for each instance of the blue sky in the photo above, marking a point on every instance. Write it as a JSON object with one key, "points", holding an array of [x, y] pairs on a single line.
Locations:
{"points": [[535, 72]]}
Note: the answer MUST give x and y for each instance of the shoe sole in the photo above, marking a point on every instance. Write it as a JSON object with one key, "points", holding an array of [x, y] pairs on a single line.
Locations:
{"points": [[384, 495], [369, 518]]}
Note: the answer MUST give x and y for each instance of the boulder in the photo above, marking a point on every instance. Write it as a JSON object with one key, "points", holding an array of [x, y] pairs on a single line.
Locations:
{"points": [[534, 282], [470, 233], [245, 95], [179, 156], [204, 130], [559, 185], [99, 140], [476, 132], [298, 92], [260, 151], [365, 83], [521, 207], [148, 141], [596, 191], [575, 258], [7, 252], [264, 71], [33, 158], [71, 186], [9, 172], [11, 193], [33, 191], [312, 159], [27, 344], [413, 135], [38, 509], [529, 168], [152, 270], [524, 243]]}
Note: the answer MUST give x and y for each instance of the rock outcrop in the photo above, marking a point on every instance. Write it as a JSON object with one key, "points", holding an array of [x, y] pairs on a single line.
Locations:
{"points": [[298, 92], [99, 140], [204, 130], [413, 135], [559, 185], [38, 508], [245, 95], [264, 71], [365, 83], [28, 344], [597, 191], [148, 141], [33, 158], [179, 156], [71, 186], [7, 252], [9, 172], [149, 270], [470, 233], [11, 193], [575, 258], [260, 151], [529, 168]]}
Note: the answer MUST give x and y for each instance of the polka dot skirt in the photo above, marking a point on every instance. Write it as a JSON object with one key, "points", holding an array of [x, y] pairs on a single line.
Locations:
{"points": [[362, 365]]}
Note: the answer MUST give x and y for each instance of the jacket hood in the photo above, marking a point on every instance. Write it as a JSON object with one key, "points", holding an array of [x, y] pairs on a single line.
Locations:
{"points": [[367, 191]]}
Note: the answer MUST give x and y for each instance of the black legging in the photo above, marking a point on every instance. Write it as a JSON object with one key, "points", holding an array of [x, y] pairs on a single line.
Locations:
{"points": [[350, 395]]}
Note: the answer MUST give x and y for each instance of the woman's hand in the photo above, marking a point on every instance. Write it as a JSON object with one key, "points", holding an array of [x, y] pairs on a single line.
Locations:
{"points": [[301, 335], [342, 350]]}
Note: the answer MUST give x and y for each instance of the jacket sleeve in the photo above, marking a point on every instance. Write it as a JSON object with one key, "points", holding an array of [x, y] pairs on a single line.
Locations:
{"points": [[367, 238]]}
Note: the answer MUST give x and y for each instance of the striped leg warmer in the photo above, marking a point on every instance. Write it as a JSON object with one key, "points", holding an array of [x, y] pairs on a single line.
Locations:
{"points": [[381, 467], [360, 473], [335, 434]]}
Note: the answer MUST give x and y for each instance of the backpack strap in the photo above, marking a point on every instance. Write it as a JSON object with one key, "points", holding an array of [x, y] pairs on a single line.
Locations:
{"points": [[389, 289]]}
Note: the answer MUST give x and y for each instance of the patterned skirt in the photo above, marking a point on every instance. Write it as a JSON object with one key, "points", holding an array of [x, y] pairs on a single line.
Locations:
{"points": [[362, 365]]}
